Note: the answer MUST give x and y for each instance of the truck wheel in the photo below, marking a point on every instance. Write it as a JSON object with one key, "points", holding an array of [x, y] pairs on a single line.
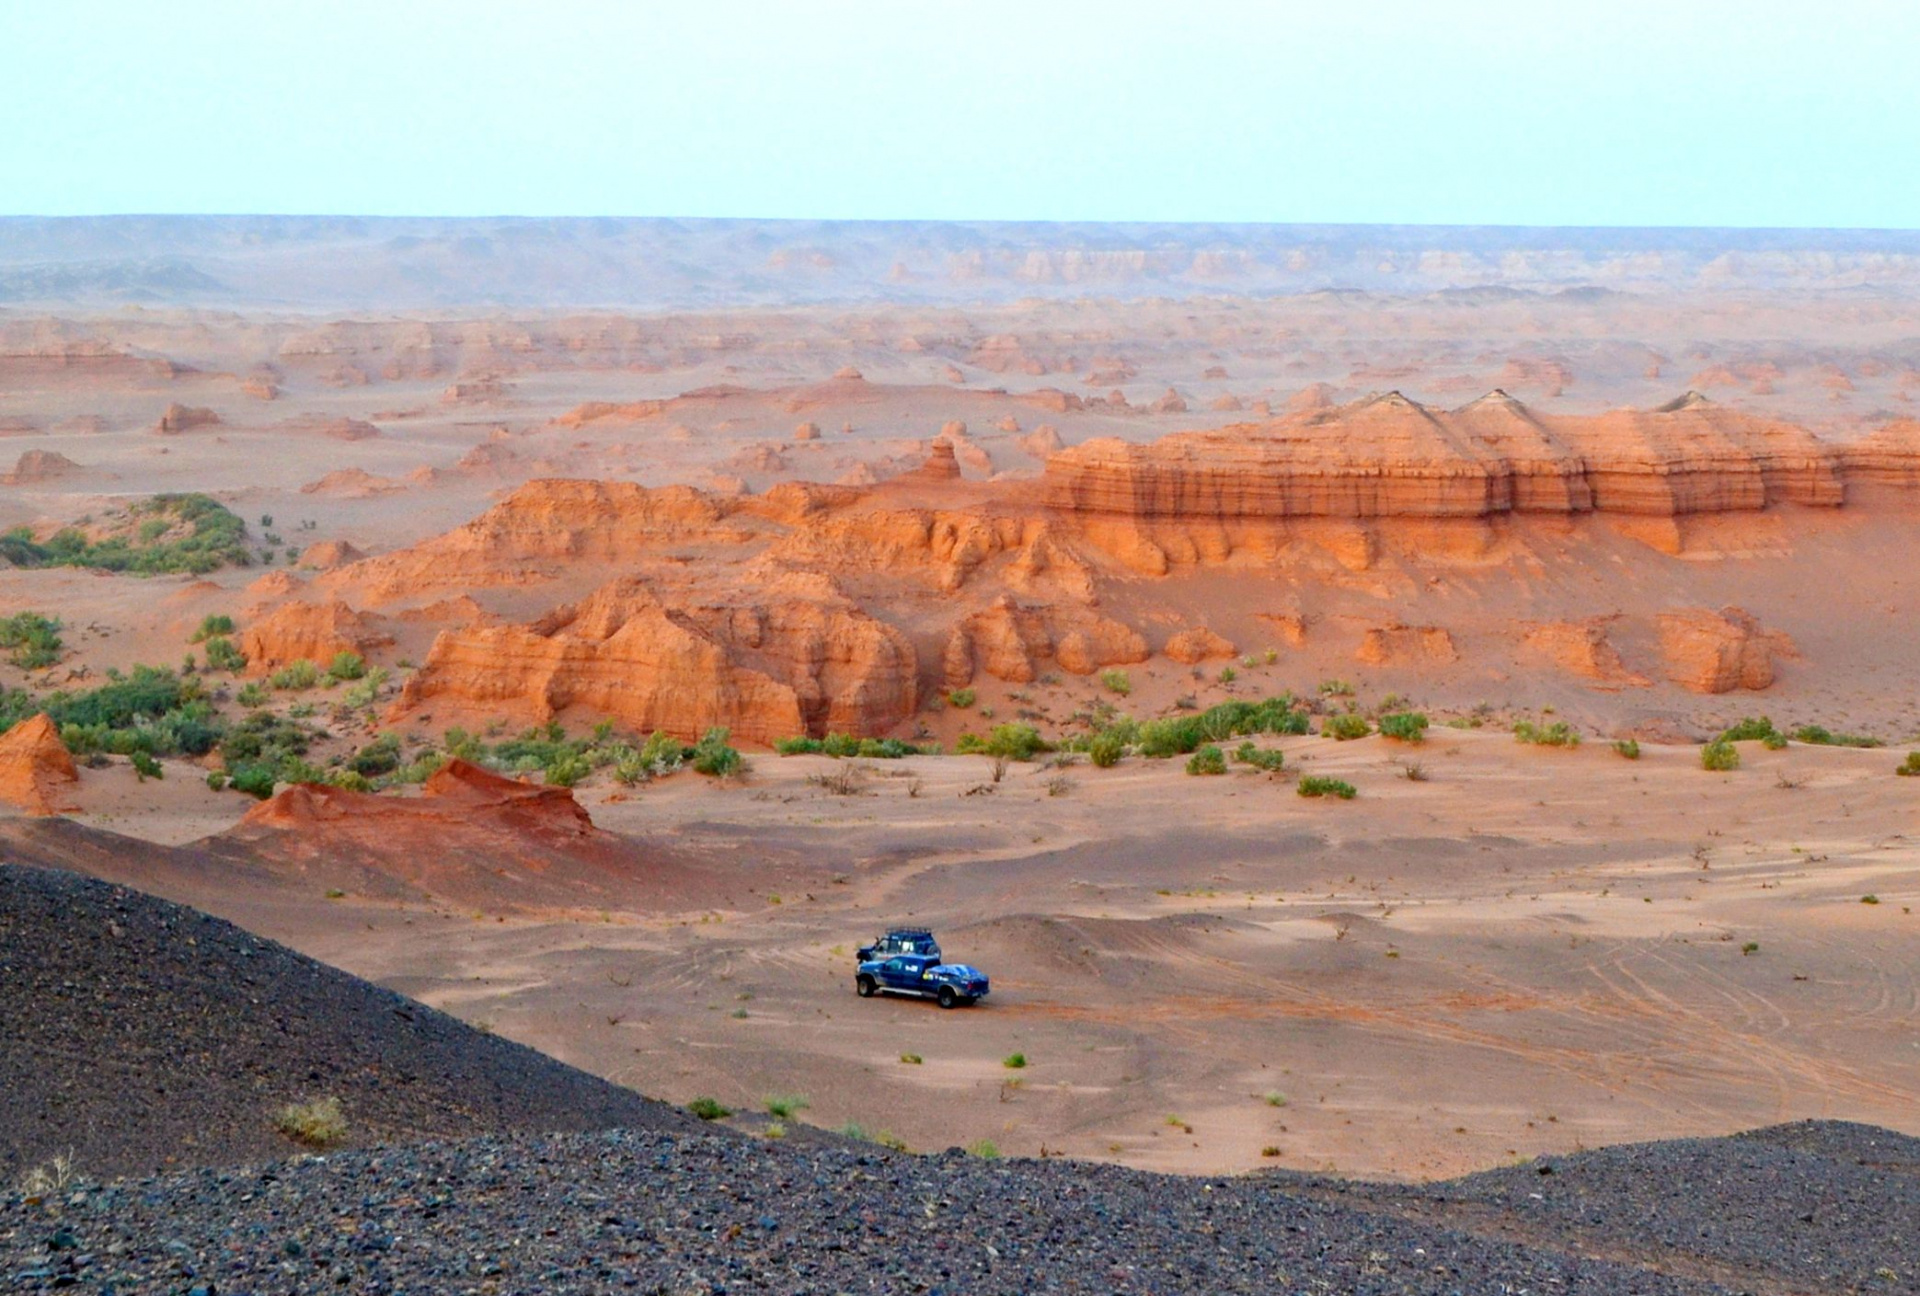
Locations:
{"points": [[947, 997], [866, 985]]}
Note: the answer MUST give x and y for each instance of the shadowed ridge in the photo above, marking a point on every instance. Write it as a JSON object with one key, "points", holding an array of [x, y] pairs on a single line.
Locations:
{"points": [[140, 1034]]}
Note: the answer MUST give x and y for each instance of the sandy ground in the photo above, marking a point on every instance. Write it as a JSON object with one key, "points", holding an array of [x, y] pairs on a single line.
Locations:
{"points": [[1525, 951]]}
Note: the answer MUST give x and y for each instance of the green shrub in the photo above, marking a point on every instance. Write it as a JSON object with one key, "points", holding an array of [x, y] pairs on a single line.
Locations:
{"points": [[1821, 737], [714, 758], [1015, 741], [1315, 785], [1014, 1061], [1247, 754], [223, 656], [32, 641], [1774, 741], [709, 1109], [1404, 726], [1116, 681], [163, 533], [984, 1149], [784, 1107], [215, 623], [379, 757], [295, 676], [801, 746], [146, 767], [1628, 747], [1910, 767], [1720, 756], [1228, 674], [1336, 688], [961, 698], [1106, 749], [253, 694], [254, 780], [347, 666], [662, 753], [1175, 736], [1346, 727], [1749, 729], [1557, 734], [1208, 760]]}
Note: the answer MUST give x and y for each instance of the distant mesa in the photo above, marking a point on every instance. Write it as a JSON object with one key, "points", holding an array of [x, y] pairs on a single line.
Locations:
{"points": [[37, 773], [178, 418], [37, 466], [338, 429], [352, 483]]}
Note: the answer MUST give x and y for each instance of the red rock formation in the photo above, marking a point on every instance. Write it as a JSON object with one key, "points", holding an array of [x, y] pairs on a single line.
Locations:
{"points": [[36, 466], [36, 772], [1580, 648], [315, 632], [1198, 645], [1405, 645], [177, 418], [329, 554], [801, 659], [1012, 642], [1388, 456], [1717, 652]]}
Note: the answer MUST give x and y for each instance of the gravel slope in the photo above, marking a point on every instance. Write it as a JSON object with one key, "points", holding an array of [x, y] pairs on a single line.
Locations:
{"points": [[141, 1035], [663, 1213]]}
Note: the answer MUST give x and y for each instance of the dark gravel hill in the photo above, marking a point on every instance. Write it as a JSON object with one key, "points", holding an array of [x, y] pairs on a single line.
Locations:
{"points": [[141, 1035]]}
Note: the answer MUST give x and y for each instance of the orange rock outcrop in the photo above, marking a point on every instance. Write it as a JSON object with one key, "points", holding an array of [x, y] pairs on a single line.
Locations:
{"points": [[1718, 652], [1198, 645], [315, 632], [36, 772]]}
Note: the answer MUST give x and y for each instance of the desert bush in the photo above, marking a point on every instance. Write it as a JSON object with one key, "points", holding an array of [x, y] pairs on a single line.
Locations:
{"points": [[381, 756], [212, 625], [1910, 767], [709, 1109], [1248, 754], [254, 780], [961, 698], [163, 533], [1105, 749], [1336, 688], [1405, 726], [785, 1107], [1720, 756], [713, 757], [1059, 785], [223, 656], [320, 1123], [347, 666], [295, 676], [1015, 741], [1315, 785], [1228, 674], [1819, 736], [32, 641], [1014, 1061], [1208, 760], [848, 780], [984, 1149], [1174, 736], [912, 1059], [1749, 729], [1628, 747], [1346, 727], [146, 767], [1117, 682], [49, 1177], [1557, 734]]}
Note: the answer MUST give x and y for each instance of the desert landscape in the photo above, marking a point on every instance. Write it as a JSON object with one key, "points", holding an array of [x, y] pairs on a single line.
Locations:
{"points": [[1380, 702]]}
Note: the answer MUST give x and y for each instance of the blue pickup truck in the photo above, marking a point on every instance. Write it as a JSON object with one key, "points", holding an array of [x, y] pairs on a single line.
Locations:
{"points": [[923, 975]]}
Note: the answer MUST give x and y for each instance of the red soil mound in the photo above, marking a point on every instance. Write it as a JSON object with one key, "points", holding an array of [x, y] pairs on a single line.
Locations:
{"points": [[36, 772]]}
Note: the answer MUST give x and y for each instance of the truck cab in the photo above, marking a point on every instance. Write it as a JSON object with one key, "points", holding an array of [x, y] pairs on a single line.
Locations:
{"points": [[901, 940]]}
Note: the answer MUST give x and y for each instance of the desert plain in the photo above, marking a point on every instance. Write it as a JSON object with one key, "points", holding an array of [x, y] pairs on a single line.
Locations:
{"points": [[934, 484]]}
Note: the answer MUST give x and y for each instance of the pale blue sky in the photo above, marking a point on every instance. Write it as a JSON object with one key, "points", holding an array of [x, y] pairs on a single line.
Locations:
{"points": [[1687, 112]]}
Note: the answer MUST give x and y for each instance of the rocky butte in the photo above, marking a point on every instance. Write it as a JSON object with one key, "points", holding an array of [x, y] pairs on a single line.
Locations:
{"points": [[813, 608]]}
